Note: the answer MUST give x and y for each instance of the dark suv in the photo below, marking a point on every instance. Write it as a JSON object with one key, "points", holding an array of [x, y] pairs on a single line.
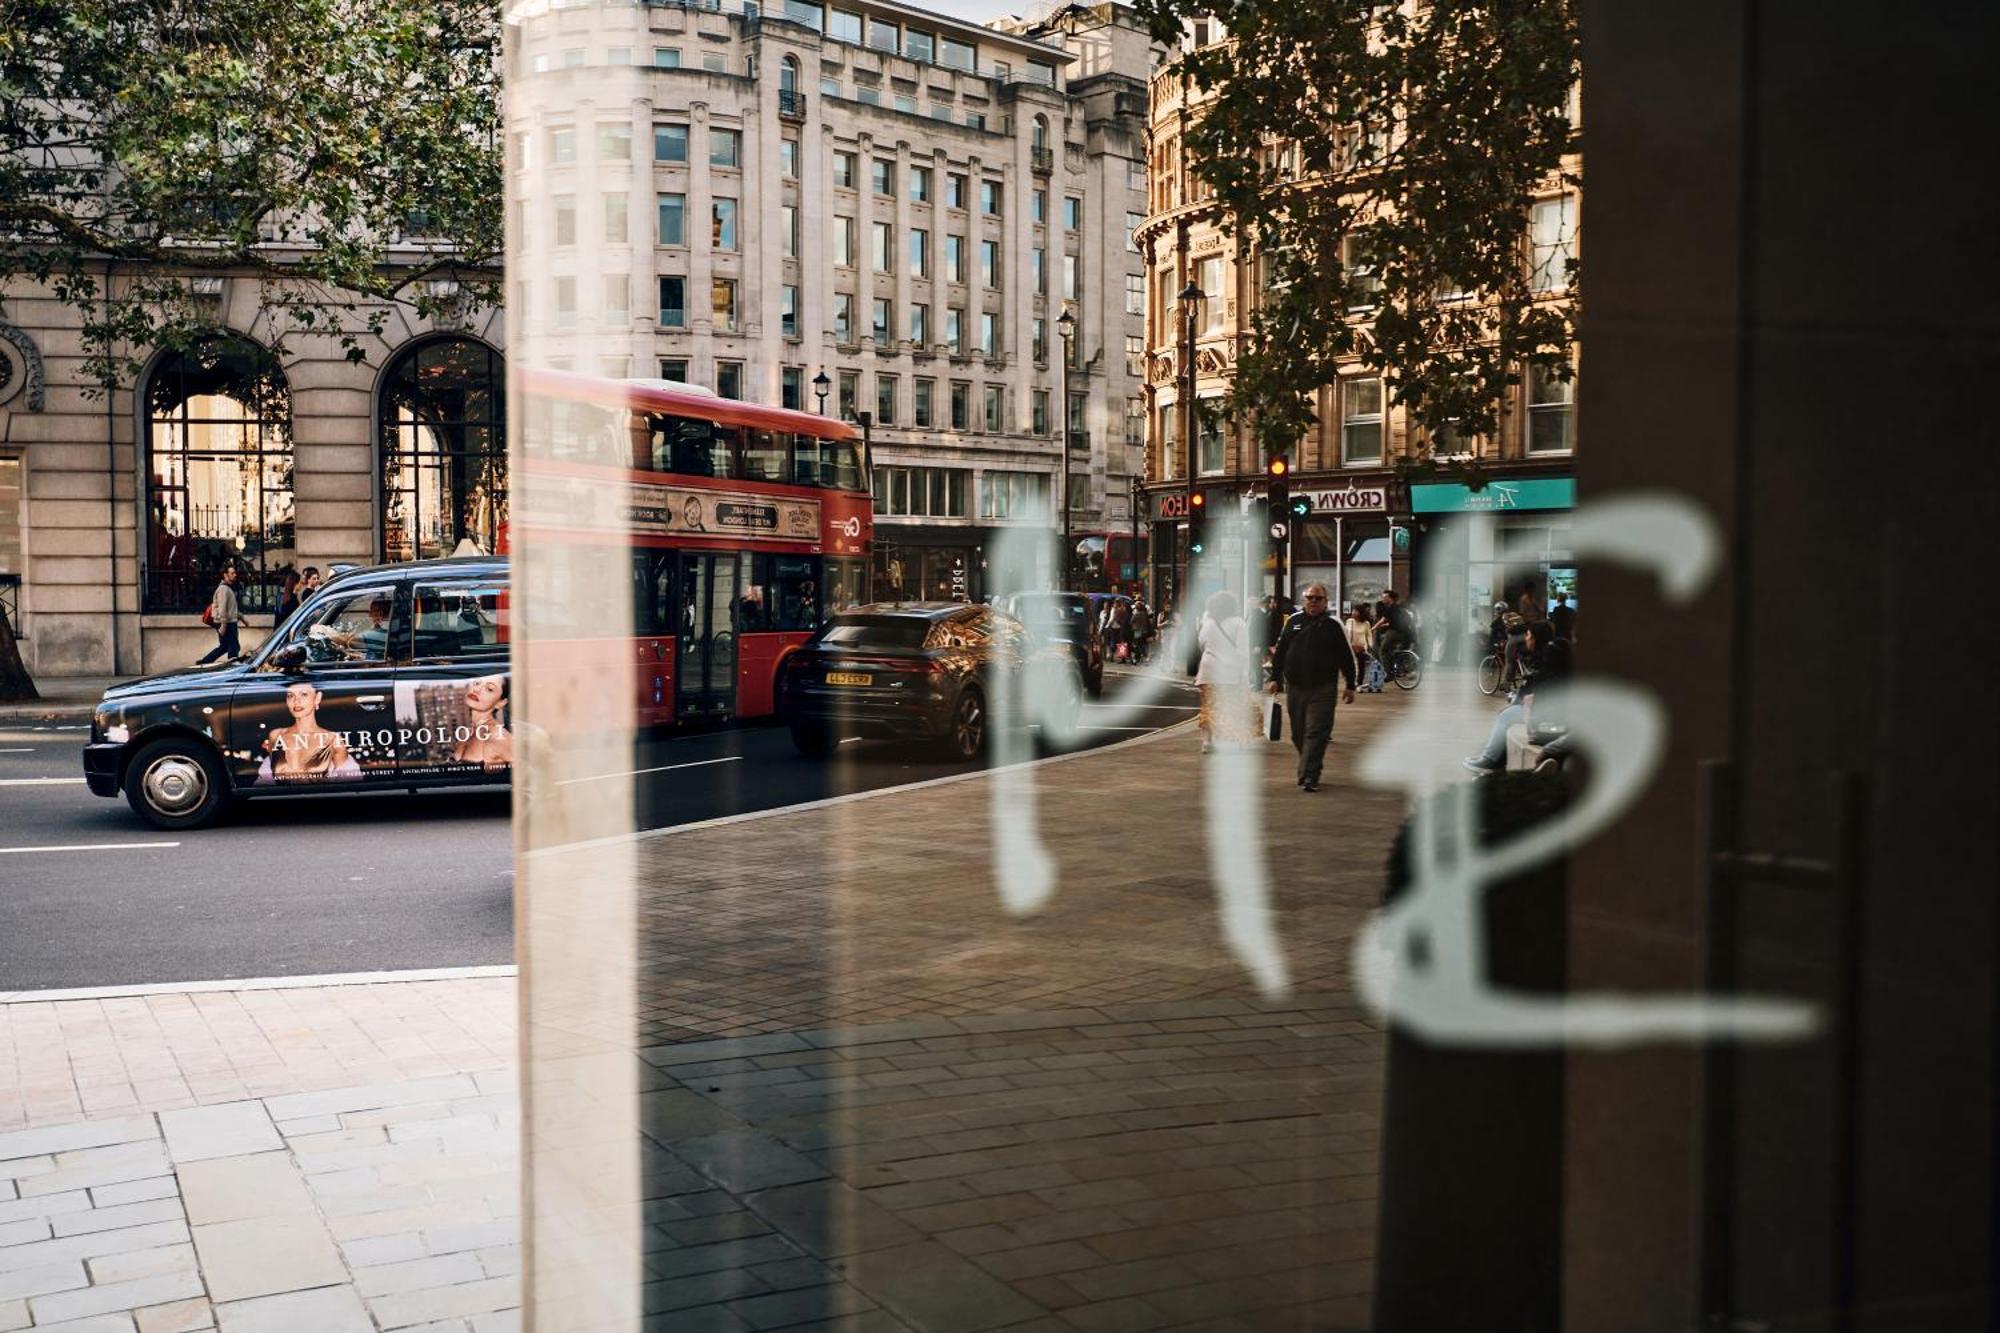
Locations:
{"points": [[1062, 620], [924, 670], [394, 677]]}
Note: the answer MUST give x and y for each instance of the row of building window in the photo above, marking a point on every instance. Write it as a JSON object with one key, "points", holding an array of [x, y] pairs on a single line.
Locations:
{"points": [[1550, 428], [725, 315], [1551, 257], [926, 411], [725, 150]]}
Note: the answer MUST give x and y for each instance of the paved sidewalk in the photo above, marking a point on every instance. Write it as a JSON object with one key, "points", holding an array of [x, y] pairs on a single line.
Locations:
{"points": [[329, 1159], [63, 699], [873, 1099]]}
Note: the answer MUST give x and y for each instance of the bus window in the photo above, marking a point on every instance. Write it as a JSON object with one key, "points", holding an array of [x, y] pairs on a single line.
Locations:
{"points": [[653, 593], [588, 433], [753, 603], [794, 592], [846, 584], [840, 464], [660, 454], [724, 442], [805, 461], [764, 455], [692, 447]]}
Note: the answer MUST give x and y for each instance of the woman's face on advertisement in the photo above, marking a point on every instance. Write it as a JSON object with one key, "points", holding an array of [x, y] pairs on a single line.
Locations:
{"points": [[484, 694], [301, 701]]}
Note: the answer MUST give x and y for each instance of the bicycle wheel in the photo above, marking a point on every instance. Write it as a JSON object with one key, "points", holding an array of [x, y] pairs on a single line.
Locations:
{"points": [[1489, 673], [1409, 668]]}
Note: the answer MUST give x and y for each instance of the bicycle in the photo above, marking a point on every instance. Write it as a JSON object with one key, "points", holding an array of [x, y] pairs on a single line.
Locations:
{"points": [[1494, 676], [1405, 667]]}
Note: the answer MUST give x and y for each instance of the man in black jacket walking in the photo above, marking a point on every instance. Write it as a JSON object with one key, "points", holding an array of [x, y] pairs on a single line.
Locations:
{"points": [[1311, 655]]}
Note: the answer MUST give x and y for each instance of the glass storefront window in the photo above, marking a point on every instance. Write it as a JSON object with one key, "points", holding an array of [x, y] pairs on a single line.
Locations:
{"points": [[218, 476], [442, 437]]}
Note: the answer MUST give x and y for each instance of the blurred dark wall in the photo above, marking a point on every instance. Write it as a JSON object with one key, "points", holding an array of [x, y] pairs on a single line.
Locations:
{"points": [[1791, 316]]}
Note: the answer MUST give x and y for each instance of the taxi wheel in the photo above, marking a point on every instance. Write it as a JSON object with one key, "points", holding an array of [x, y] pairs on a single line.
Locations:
{"points": [[177, 783]]}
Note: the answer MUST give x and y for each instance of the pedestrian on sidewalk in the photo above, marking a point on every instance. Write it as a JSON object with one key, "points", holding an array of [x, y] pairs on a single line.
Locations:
{"points": [[225, 612], [1360, 626], [1142, 627], [288, 597], [1224, 673], [309, 582], [1311, 655]]}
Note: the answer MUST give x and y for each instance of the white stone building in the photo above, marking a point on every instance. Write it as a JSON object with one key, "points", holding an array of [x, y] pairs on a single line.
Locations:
{"points": [[750, 197], [119, 508]]}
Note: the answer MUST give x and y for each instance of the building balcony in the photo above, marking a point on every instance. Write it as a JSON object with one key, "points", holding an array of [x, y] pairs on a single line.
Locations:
{"points": [[791, 104], [1043, 160]]}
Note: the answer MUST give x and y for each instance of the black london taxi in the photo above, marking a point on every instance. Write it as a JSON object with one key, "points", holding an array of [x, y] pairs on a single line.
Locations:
{"points": [[919, 670], [393, 677]]}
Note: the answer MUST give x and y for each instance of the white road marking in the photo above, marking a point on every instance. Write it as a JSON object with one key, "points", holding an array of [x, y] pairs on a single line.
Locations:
{"points": [[38, 782], [258, 983], [88, 847], [24, 749], [663, 768]]}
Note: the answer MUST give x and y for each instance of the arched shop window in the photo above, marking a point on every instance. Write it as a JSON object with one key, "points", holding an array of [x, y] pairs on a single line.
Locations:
{"points": [[218, 475], [441, 423]]}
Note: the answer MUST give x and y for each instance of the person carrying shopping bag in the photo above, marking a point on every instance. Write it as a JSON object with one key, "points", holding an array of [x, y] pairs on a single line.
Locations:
{"points": [[1306, 666], [1223, 674]]}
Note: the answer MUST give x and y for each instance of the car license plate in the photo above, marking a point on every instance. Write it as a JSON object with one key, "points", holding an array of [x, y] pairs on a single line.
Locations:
{"points": [[849, 678]]}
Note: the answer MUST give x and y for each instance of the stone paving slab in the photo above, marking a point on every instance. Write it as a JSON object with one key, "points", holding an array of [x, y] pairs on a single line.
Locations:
{"points": [[93, 1067], [232, 1213]]}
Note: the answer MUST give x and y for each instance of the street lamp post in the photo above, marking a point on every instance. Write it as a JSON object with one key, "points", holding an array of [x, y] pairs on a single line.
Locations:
{"points": [[1066, 327], [1191, 298], [820, 386]]}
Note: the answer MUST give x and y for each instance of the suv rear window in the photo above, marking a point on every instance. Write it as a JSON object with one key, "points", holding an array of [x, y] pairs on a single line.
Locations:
{"points": [[877, 631]]}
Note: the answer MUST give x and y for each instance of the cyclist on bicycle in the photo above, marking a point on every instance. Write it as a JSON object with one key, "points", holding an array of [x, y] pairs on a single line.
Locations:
{"points": [[1396, 629]]}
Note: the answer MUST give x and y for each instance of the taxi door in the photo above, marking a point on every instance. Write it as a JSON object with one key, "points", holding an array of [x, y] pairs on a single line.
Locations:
{"points": [[454, 694], [327, 717]]}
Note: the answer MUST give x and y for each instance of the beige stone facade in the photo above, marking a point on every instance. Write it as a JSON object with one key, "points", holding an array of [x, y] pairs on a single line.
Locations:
{"points": [[89, 549], [1351, 461], [750, 196]]}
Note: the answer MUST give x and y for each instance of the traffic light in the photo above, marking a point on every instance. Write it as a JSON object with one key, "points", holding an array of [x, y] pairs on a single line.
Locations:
{"points": [[1197, 521], [1278, 493]]}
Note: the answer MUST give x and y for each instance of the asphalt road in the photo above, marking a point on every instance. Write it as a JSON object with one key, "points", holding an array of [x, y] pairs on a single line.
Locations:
{"points": [[90, 895]]}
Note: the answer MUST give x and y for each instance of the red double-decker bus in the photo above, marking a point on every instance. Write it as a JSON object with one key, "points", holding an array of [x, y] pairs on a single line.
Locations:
{"points": [[1109, 562], [743, 527]]}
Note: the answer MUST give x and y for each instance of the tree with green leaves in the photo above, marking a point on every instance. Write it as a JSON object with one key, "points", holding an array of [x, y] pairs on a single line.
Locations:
{"points": [[343, 154], [1377, 163]]}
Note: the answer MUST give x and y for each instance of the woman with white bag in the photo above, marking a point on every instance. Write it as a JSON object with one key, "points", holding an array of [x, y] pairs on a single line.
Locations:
{"points": [[1224, 674]]}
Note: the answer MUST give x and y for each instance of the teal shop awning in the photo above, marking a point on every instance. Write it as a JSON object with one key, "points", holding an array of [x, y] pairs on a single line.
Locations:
{"points": [[1495, 496]]}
